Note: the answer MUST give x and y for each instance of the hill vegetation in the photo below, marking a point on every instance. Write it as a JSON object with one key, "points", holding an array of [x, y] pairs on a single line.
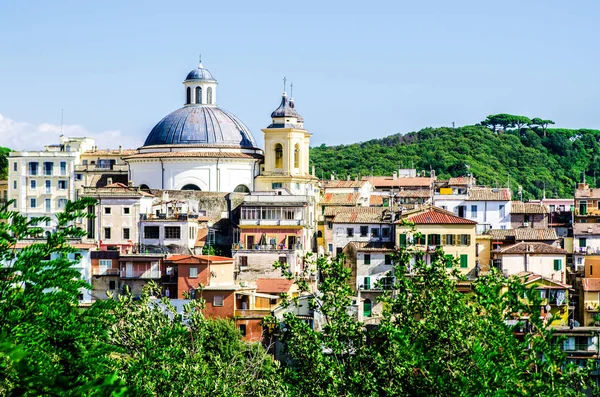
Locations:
{"points": [[500, 150]]}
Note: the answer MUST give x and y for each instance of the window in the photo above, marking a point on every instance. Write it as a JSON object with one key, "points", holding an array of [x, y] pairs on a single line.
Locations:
{"points": [[473, 211], [583, 208], [329, 225], [188, 95], [330, 248], [112, 285], [62, 184], [48, 205], [48, 186], [465, 239], [375, 232], [243, 329], [582, 242], [526, 218], [125, 233], [276, 185], [193, 272], [78, 177], [403, 240], [209, 98], [434, 239], [501, 211], [107, 263], [464, 261], [367, 283], [62, 203], [33, 168], [449, 239], [173, 232], [15, 187], [107, 233], [107, 210], [367, 259], [296, 156], [278, 156], [63, 168], [218, 300], [558, 264], [385, 232], [283, 259], [350, 232], [151, 232], [198, 94], [15, 167], [125, 210], [33, 184], [388, 259], [32, 203], [552, 208], [364, 231], [243, 261], [48, 168]]}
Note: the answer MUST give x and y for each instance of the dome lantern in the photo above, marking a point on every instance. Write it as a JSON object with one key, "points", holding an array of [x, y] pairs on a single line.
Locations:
{"points": [[200, 87]]}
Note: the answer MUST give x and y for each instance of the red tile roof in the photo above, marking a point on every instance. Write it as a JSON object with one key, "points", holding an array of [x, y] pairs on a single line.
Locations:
{"points": [[533, 248], [376, 200], [340, 198], [591, 284], [437, 217], [273, 285], [342, 184]]}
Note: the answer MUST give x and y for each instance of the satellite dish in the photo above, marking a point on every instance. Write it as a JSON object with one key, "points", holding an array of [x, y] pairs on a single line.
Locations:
{"points": [[548, 308]]}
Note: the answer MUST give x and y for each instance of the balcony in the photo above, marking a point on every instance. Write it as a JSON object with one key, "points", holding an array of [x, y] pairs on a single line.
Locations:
{"points": [[580, 347], [588, 212], [271, 222], [148, 274], [100, 168], [252, 313], [162, 217], [266, 248], [104, 271], [586, 251]]}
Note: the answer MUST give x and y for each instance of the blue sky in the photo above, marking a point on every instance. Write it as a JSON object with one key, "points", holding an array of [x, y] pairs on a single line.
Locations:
{"points": [[361, 70]]}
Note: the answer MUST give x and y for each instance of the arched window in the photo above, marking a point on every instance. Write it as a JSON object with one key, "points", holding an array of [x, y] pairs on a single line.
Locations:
{"points": [[144, 187], [241, 189], [278, 156], [188, 95], [319, 234], [198, 94], [296, 156], [209, 95], [190, 186], [367, 306]]}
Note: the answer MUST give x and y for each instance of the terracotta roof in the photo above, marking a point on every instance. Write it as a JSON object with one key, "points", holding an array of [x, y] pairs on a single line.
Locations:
{"points": [[413, 193], [488, 194], [369, 246], [460, 181], [375, 200], [532, 248], [590, 284], [193, 154], [195, 258], [342, 184], [522, 234], [586, 228], [334, 210], [519, 207], [340, 198], [201, 237], [531, 277], [273, 285], [388, 181], [437, 216], [359, 215]]}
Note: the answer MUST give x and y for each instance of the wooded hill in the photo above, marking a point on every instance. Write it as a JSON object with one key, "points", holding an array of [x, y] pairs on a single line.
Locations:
{"points": [[501, 149]]}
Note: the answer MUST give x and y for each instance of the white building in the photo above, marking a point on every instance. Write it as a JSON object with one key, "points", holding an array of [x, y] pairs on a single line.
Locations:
{"points": [[360, 224], [489, 207], [540, 258], [198, 147], [41, 182]]}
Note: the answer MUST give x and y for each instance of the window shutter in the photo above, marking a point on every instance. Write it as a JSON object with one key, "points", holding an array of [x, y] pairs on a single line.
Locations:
{"points": [[468, 239], [557, 264], [403, 240], [464, 261], [438, 239], [454, 239], [443, 242], [367, 282]]}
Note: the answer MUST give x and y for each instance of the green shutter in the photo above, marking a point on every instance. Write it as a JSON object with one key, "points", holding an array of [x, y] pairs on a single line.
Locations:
{"points": [[464, 261], [403, 240], [582, 242], [438, 239], [367, 283], [558, 264], [429, 238], [367, 259]]}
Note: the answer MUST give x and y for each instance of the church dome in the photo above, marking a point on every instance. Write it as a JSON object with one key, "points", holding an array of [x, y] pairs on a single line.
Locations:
{"points": [[201, 125], [200, 73]]}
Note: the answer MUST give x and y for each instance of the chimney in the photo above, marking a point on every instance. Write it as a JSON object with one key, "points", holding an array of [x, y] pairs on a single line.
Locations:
{"points": [[395, 175], [356, 178], [120, 149], [313, 171], [348, 177], [130, 183], [109, 181], [332, 176]]}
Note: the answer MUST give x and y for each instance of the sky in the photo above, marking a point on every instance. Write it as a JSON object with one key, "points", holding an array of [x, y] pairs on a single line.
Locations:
{"points": [[361, 70]]}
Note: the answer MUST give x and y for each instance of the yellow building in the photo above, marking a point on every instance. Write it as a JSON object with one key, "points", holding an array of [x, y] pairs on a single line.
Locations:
{"points": [[442, 229], [589, 301], [555, 298], [3, 191]]}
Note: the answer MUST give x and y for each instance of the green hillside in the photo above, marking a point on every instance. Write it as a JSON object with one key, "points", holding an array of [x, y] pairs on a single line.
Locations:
{"points": [[4, 162], [533, 157]]}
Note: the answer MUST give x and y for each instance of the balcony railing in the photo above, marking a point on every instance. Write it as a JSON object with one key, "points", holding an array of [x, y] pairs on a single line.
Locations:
{"points": [[103, 271], [587, 251], [147, 274], [97, 167], [580, 347], [272, 222], [588, 212], [252, 313], [266, 247]]}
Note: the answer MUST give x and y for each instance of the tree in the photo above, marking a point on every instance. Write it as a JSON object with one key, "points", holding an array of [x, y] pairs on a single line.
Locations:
{"points": [[431, 340], [543, 124]]}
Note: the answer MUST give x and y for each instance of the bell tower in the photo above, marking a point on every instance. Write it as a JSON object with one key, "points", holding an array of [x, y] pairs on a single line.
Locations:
{"points": [[287, 145]]}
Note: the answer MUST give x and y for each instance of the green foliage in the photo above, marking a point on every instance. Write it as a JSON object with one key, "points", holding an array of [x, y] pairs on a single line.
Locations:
{"points": [[4, 162], [432, 340], [538, 158]]}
